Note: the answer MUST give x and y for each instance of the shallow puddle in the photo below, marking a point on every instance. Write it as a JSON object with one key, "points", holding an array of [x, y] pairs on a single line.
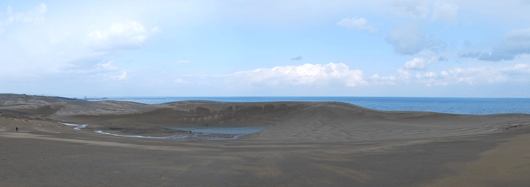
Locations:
{"points": [[199, 133], [76, 126], [220, 129], [193, 136]]}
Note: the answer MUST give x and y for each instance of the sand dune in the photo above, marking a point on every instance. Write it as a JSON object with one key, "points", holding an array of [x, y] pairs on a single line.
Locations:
{"points": [[304, 121], [304, 144]]}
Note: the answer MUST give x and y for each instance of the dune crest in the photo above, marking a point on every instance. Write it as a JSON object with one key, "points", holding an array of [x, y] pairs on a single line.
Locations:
{"points": [[300, 121]]}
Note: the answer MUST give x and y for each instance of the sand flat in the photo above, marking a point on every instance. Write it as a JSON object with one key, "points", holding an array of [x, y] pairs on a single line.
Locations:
{"points": [[507, 164]]}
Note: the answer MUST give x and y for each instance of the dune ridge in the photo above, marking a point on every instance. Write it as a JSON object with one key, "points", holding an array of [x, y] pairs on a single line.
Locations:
{"points": [[301, 121]]}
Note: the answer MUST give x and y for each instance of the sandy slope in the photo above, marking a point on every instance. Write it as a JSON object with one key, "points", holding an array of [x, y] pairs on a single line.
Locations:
{"points": [[320, 121], [305, 144]]}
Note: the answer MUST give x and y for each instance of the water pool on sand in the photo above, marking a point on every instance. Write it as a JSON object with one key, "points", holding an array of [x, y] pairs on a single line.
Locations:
{"points": [[220, 129], [194, 136], [202, 133], [76, 126]]}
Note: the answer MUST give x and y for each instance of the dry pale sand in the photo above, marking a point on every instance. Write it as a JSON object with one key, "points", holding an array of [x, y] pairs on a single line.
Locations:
{"points": [[305, 144]]}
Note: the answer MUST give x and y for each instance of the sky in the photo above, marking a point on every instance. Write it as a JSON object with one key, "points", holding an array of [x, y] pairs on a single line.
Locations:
{"points": [[266, 48]]}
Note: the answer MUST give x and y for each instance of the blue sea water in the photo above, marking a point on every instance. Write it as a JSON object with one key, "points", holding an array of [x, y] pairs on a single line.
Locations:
{"points": [[476, 106]]}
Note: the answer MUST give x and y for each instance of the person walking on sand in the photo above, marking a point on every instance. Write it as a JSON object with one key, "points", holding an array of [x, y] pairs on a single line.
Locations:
{"points": [[17, 129]]}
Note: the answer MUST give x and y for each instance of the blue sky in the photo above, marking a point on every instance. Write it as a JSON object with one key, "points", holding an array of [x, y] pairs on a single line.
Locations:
{"points": [[266, 48]]}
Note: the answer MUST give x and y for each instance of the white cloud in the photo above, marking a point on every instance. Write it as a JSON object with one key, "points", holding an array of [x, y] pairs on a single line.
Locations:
{"points": [[416, 63], [41, 51], [114, 75], [420, 9], [520, 66], [376, 79], [414, 8], [475, 75], [180, 81], [447, 12], [519, 35], [409, 39], [107, 66], [517, 43], [426, 78], [419, 63], [156, 30], [306, 74], [444, 74], [127, 35], [316, 74], [123, 76], [359, 24], [93, 69], [65, 46], [457, 75], [430, 75], [517, 69], [35, 16], [404, 75], [426, 75]]}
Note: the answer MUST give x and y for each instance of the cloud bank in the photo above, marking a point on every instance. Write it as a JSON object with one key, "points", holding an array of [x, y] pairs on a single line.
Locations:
{"points": [[127, 35], [409, 39], [306, 74], [332, 73], [517, 43]]}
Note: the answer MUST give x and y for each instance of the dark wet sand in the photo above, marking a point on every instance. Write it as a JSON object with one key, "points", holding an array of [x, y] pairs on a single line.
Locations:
{"points": [[306, 144]]}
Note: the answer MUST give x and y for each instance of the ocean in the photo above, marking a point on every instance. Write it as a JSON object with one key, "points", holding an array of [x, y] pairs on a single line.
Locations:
{"points": [[475, 106]]}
